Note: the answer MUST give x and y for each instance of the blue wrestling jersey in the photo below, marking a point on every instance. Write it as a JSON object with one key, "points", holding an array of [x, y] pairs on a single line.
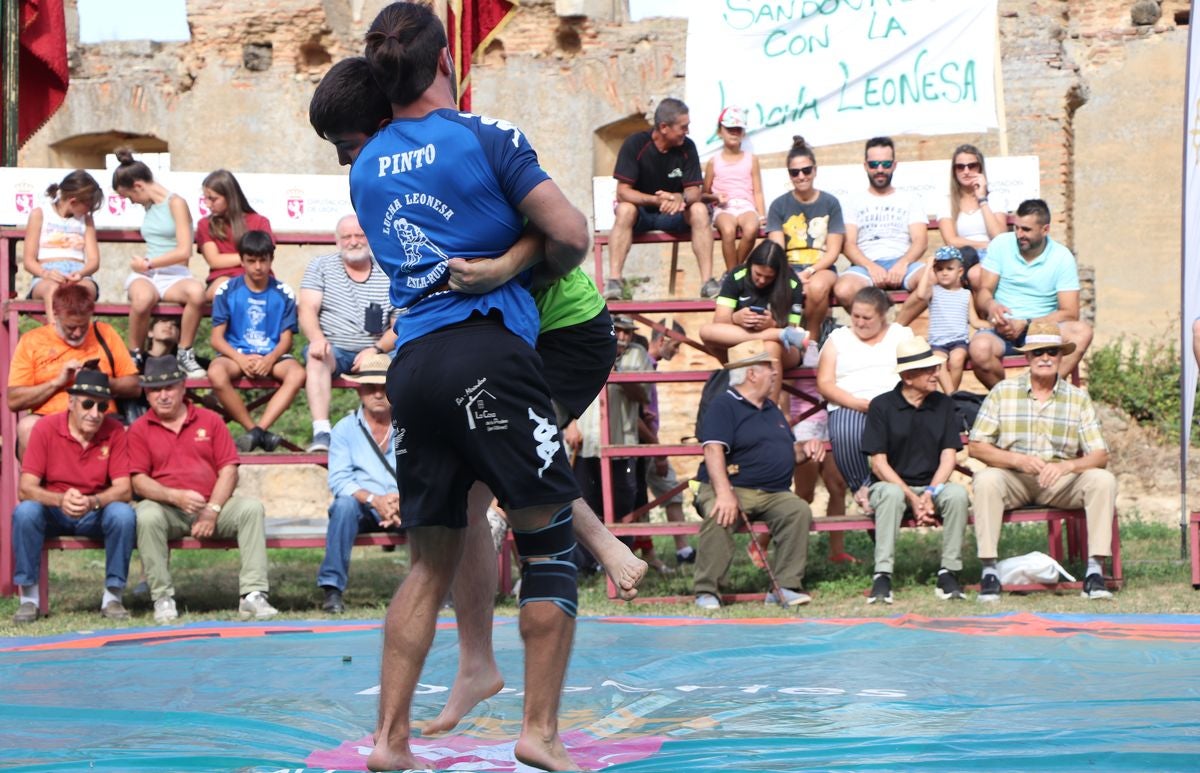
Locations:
{"points": [[254, 321], [443, 186]]}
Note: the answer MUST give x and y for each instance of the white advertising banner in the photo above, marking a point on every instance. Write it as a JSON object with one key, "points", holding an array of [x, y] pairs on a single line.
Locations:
{"points": [[294, 203], [1190, 284], [841, 70]]}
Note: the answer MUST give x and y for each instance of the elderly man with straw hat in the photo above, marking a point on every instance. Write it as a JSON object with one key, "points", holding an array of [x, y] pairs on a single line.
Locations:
{"points": [[748, 461], [911, 439], [362, 477], [1040, 438], [185, 469]]}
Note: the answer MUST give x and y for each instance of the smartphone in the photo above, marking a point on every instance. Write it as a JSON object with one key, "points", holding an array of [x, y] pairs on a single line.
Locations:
{"points": [[759, 309], [93, 364]]}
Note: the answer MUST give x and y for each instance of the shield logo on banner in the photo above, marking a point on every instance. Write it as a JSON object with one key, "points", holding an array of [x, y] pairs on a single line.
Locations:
{"points": [[202, 206], [295, 208], [116, 204], [24, 203]]}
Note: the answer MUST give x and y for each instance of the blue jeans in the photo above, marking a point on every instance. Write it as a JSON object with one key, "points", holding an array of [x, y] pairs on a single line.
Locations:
{"points": [[343, 359], [32, 522], [347, 519]]}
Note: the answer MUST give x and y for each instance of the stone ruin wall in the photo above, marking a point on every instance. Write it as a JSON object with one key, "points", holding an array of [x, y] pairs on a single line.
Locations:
{"points": [[1097, 97]]}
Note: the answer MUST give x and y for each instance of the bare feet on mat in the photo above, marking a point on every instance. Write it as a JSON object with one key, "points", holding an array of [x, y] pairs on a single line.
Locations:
{"points": [[466, 693], [384, 758], [547, 754]]}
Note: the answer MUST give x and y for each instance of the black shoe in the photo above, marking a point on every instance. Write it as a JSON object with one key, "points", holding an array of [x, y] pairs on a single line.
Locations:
{"points": [[250, 440], [1094, 587], [268, 441], [685, 555], [947, 586], [989, 588], [333, 601], [881, 589]]}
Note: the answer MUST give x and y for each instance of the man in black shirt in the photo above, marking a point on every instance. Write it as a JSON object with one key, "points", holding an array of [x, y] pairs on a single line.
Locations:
{"points": [[658, 189], [912, 439]]}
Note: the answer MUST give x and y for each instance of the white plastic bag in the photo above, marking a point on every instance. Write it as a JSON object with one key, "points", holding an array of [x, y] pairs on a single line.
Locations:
{"points": [[1030, 568]]}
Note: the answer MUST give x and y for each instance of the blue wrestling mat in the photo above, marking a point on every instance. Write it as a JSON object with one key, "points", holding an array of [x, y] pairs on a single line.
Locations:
{"points": [[1015, 692]]}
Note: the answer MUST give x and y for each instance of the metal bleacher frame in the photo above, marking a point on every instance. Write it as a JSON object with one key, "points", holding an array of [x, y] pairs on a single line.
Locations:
{"points": [[1074, 521]]}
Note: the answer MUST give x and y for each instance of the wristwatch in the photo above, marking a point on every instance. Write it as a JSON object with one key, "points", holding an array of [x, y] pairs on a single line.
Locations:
{"points": [[370, 499], [935, 490], [214, 507]]}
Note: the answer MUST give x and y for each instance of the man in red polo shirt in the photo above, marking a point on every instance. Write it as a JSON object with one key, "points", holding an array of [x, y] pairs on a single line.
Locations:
{"points": [[75, 480], [184, 467]]}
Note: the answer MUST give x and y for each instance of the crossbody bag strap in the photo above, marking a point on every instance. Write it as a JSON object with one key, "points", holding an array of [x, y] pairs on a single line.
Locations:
{"points": [[375, 447]]}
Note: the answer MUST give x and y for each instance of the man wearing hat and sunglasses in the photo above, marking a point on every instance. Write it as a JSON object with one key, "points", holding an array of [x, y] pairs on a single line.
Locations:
{"points": [[911, 439], [749, 457], [75, 481], [1040, 438], [362, 477], [185, 468]]}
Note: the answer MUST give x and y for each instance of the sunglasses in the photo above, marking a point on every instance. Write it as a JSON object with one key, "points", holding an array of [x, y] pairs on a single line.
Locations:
{"points": [[877, 164], [804, 170], [89, 404], [1052, 351], [973, 166]]}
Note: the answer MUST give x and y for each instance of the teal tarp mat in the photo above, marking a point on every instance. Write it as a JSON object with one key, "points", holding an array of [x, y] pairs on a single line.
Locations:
{"points": [[1018, 692]]}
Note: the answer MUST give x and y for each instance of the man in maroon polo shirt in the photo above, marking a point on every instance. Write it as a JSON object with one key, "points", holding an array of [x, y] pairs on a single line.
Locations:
{"points": [[184, 467], [75, 480]]}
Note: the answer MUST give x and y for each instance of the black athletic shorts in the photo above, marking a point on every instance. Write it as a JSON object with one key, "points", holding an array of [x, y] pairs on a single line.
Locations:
{"points": [[469, 403], [576, 361]]}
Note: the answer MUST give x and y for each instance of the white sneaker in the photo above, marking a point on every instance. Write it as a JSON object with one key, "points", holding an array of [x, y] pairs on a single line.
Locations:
{"points": [[187, 360], [164, 610], [708, 601], [256, 605]]}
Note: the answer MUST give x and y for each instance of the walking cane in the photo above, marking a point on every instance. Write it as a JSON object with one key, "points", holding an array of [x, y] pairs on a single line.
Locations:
{"points": [[763, 555]]}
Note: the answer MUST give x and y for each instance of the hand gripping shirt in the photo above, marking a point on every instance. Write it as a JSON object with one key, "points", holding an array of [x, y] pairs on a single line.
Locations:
{"points": [[443, 186]]}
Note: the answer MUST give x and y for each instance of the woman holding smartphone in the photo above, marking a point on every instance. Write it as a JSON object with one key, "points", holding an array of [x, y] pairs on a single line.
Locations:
{"points": [[760, 299]]}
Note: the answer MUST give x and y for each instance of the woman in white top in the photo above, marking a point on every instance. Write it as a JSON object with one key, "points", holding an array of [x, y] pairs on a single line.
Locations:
{"points": [[857, 364], [971, 220], [60, 238]]}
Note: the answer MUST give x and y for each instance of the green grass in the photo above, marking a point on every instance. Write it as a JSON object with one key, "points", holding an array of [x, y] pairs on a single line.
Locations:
{"points": [[1157, 582]]}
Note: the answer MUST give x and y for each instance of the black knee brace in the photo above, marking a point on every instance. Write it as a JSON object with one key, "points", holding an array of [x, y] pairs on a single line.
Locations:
{"points": [[546, 575]]}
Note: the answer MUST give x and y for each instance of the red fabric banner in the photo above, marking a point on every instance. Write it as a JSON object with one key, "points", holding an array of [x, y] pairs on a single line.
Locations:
{"points": [[43, 75], [471, 25]]}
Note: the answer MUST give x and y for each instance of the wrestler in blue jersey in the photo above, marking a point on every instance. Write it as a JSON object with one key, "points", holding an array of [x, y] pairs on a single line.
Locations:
{"points": [[255, 320], [441, 186]]}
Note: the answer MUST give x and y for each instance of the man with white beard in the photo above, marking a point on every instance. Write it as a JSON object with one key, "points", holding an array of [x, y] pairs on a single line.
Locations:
{"points": [[345, 314]]}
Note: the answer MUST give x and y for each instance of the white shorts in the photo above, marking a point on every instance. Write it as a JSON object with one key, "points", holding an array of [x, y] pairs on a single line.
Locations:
{"points": [[163, 278], [661, 484], [815, 427], [735, 207]]}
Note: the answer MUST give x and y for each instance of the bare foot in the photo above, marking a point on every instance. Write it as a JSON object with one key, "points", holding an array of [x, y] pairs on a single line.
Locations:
{"points": [[547, 754], [466, 693], [402, 758], [622, 567]]}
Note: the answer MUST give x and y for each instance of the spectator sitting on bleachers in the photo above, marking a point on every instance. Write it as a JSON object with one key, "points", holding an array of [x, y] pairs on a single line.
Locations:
{"points": [[886, 231], [362, 477], [941, 288], [219, 233], [748, 461], [970, 219], [162, 273], [60, 245], [184, 468], [733, 185], [75, 481], [1040, 438], [254, 317], [808, 224], [760, 300], [345, 313], [658, 189], [47, 359], [912, 439], [858, 363], [1027, 277]]}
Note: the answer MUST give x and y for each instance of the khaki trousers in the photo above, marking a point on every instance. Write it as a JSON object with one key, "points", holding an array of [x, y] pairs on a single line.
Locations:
{"points": [[787, 516], [997, 490], [158, 522], [951, 505]]}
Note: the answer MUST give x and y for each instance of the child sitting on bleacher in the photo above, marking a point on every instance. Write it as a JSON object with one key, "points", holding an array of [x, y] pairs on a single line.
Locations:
{"points": [[941, 287], [218, 233], [733, 185], [254, 318], [60, 238]]}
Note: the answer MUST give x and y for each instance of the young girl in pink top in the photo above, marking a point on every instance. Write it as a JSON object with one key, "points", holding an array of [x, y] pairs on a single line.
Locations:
{"points": [[733, 185]]}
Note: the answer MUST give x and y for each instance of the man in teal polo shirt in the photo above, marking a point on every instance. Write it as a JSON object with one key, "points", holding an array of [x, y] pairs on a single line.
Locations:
{"points": [[1027, 277]]}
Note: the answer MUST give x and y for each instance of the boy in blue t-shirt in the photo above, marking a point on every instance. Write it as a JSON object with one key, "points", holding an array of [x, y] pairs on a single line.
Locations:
{"points": [[254, 316]]}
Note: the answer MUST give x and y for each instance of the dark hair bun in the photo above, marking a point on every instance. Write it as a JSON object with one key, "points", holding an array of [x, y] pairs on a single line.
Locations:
{"points": [[124, 155]]}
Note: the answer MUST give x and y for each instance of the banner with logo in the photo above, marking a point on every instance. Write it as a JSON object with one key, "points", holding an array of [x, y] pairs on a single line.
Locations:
{"points": [[1190, 284], [841, 70], [297, 203]]}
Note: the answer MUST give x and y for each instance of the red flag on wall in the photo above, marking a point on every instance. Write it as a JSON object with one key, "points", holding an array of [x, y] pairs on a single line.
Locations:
{"points": [[43, 67], [471, 25]]}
